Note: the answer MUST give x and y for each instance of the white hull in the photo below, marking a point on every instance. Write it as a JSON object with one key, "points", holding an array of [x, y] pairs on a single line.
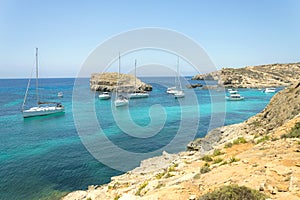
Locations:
{"points": [[138, 95], [40, 111], [179, 94], [270, 90], [234, 99], [60, 94], [122, 102], [104, 96], [171, 90]]}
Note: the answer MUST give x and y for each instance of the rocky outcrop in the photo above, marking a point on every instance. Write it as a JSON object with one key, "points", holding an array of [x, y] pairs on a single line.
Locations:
{"points": [[258, 158], [273, 75], [108, 81]]}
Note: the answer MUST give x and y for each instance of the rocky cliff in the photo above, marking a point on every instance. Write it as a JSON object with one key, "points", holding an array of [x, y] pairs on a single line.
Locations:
{"points": [[272, 75], [253, 154], [108, 82]]}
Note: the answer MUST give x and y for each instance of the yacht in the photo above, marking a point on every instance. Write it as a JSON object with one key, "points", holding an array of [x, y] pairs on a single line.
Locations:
{"points": [[135, 94], [120, 99], [178, 92], [234, 97], [41, 108]]}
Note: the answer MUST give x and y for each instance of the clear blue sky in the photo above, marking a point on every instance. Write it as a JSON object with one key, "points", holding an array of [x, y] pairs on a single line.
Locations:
{"points": [[234, 33]]}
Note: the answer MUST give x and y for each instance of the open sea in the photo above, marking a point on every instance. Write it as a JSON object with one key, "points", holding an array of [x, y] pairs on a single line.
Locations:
{"points": [[45, 157]]}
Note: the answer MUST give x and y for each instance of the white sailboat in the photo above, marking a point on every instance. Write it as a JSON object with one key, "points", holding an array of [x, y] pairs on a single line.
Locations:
{"points": [[39, 110], [178, 92], [120, 99], [135, 94]]}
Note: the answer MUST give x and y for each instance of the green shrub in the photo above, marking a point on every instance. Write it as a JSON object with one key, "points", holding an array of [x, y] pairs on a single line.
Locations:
{"points": [[207, 158], [141, 187], [233, 159], [218, 160], [172, 168], [160, 175], [228, 145], [197, 176], [168, 175], [224, 163], [240, 140], [117, 197], [217, 152], [263, 139], [205, 168], [234, 192], [294, 133]]}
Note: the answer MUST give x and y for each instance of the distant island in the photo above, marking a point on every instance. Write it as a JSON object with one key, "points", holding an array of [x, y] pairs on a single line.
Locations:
{"points": [[271, 75], [107, 82]]}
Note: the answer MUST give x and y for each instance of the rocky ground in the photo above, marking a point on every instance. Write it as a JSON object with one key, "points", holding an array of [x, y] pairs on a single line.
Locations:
{"points": [[108, 81], [273, 75], [252, 154]]}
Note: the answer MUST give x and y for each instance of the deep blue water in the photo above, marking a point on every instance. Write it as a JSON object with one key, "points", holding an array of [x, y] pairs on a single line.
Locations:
{"points": [[44, 157]]}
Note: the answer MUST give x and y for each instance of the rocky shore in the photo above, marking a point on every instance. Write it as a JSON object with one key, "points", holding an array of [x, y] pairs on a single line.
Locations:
{"points": [[257, 153], [107, 82], [272, 75]]}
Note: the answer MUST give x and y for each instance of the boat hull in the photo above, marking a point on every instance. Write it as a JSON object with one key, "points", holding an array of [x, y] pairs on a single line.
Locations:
{"points": [[138, 95], [41, 111], [234, 99], [104, 97], [119, 103]]}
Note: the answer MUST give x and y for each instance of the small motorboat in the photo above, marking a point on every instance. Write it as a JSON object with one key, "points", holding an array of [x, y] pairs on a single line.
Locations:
{"points": [[104, 96], [270, 90], [234, 97], [60, 94]]}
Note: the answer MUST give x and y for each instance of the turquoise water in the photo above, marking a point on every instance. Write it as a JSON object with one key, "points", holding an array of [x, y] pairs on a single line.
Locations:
{"points": [[44, 157]]}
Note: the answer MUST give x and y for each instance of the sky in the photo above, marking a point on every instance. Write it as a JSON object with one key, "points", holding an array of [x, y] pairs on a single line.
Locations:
{"points": [[233, 33]]}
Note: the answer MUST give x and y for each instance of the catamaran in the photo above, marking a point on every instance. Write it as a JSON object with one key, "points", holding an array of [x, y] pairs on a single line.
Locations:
{"points": [[135, 94], [120, 99], [39, 110]]}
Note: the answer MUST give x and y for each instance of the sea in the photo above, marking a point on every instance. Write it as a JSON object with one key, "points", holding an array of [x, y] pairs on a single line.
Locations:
{"points": [[49, 156]]}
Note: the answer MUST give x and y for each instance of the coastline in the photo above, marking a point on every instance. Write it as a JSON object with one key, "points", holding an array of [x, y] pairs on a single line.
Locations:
{"points": [[248, 161]]}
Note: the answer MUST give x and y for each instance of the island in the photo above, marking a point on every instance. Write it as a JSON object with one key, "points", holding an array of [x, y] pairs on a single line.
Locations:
{"points": [[108, 82], [271, 75]]}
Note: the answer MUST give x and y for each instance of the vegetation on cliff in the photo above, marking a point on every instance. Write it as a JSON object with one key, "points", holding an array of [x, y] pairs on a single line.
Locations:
{"points": [[234, 192]]}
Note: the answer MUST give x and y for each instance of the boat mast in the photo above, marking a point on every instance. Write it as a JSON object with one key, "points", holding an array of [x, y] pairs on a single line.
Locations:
{"points": [[119, 71], [37, 76], [135, 90], [178, 79]]}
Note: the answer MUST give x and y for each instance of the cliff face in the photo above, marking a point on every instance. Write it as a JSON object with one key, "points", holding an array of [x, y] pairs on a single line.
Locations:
{"points": [[108, 82], [251, 154], [272, 75]]}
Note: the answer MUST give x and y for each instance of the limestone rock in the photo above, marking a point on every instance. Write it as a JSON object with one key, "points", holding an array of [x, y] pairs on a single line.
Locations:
{"points": [[108, 82], [272, 75]]}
